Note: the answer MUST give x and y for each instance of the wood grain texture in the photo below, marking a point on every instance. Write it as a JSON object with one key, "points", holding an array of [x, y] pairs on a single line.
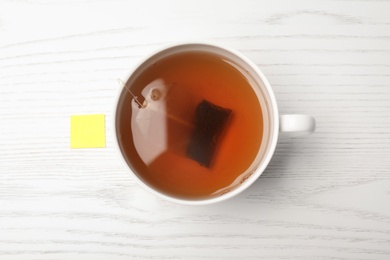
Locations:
{"points": [[322, 197]]}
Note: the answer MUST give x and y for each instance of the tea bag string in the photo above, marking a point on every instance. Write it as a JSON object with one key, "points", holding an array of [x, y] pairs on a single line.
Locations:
{"points": [[134, 96], [173, 117]]}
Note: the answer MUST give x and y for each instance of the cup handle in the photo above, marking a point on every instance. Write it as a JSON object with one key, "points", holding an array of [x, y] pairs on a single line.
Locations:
{"points": [[296, 125]]}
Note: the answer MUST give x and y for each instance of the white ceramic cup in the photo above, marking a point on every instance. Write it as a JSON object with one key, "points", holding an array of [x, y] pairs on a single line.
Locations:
{"points": [[289, 125]]}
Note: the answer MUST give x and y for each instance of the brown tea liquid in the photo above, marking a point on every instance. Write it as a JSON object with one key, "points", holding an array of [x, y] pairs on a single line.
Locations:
{"points": [[154, 139]]}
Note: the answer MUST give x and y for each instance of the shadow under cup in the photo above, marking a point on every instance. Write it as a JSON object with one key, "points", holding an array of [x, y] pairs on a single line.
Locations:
{"points": [[259, 84]]}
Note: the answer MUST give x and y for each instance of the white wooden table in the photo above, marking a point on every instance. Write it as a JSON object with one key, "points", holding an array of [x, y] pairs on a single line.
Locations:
{"points": [[322, 197]]}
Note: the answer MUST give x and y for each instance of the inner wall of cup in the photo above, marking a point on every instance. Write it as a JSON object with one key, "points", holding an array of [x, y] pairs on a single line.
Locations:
{"points": [[255, 80]]}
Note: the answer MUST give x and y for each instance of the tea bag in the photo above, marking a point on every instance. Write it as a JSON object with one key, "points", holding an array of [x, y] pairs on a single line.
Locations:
{"points": [[171, 119], [210, 121]]}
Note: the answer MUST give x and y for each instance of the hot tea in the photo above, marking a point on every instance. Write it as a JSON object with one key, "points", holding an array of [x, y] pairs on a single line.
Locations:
{"points": [[190, 124]]}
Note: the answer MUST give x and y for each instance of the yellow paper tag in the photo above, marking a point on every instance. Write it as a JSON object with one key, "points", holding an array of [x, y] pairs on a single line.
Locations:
{"points": [[87, 131]]}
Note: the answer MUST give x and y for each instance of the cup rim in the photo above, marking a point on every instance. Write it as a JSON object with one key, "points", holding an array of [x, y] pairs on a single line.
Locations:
{"points": [[257, 172]]}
